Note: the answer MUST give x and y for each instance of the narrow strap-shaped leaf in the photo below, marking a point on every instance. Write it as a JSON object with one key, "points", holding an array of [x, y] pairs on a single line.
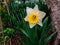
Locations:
{"points": [[48, 38], [43, 31], [25, 33]]}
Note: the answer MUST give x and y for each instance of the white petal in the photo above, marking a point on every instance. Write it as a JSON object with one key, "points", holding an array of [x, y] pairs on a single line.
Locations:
{"points": [[26, 18], [32, 25], [29, 10], [41, 15], [36, 7], [40, 23]]}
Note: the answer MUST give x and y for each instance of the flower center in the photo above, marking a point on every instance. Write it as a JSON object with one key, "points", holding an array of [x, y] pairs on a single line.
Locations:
{"points": [[33, 18]]}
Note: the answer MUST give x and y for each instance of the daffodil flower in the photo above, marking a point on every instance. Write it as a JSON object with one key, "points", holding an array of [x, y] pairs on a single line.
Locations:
{"points": [[34, 16]]}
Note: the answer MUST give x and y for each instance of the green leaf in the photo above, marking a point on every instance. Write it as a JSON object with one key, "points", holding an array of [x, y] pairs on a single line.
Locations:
{"points": [[25, 33], [44, 24], [43, 29], [48, 38], [8, 30], [14, 20], [48, 29]]}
